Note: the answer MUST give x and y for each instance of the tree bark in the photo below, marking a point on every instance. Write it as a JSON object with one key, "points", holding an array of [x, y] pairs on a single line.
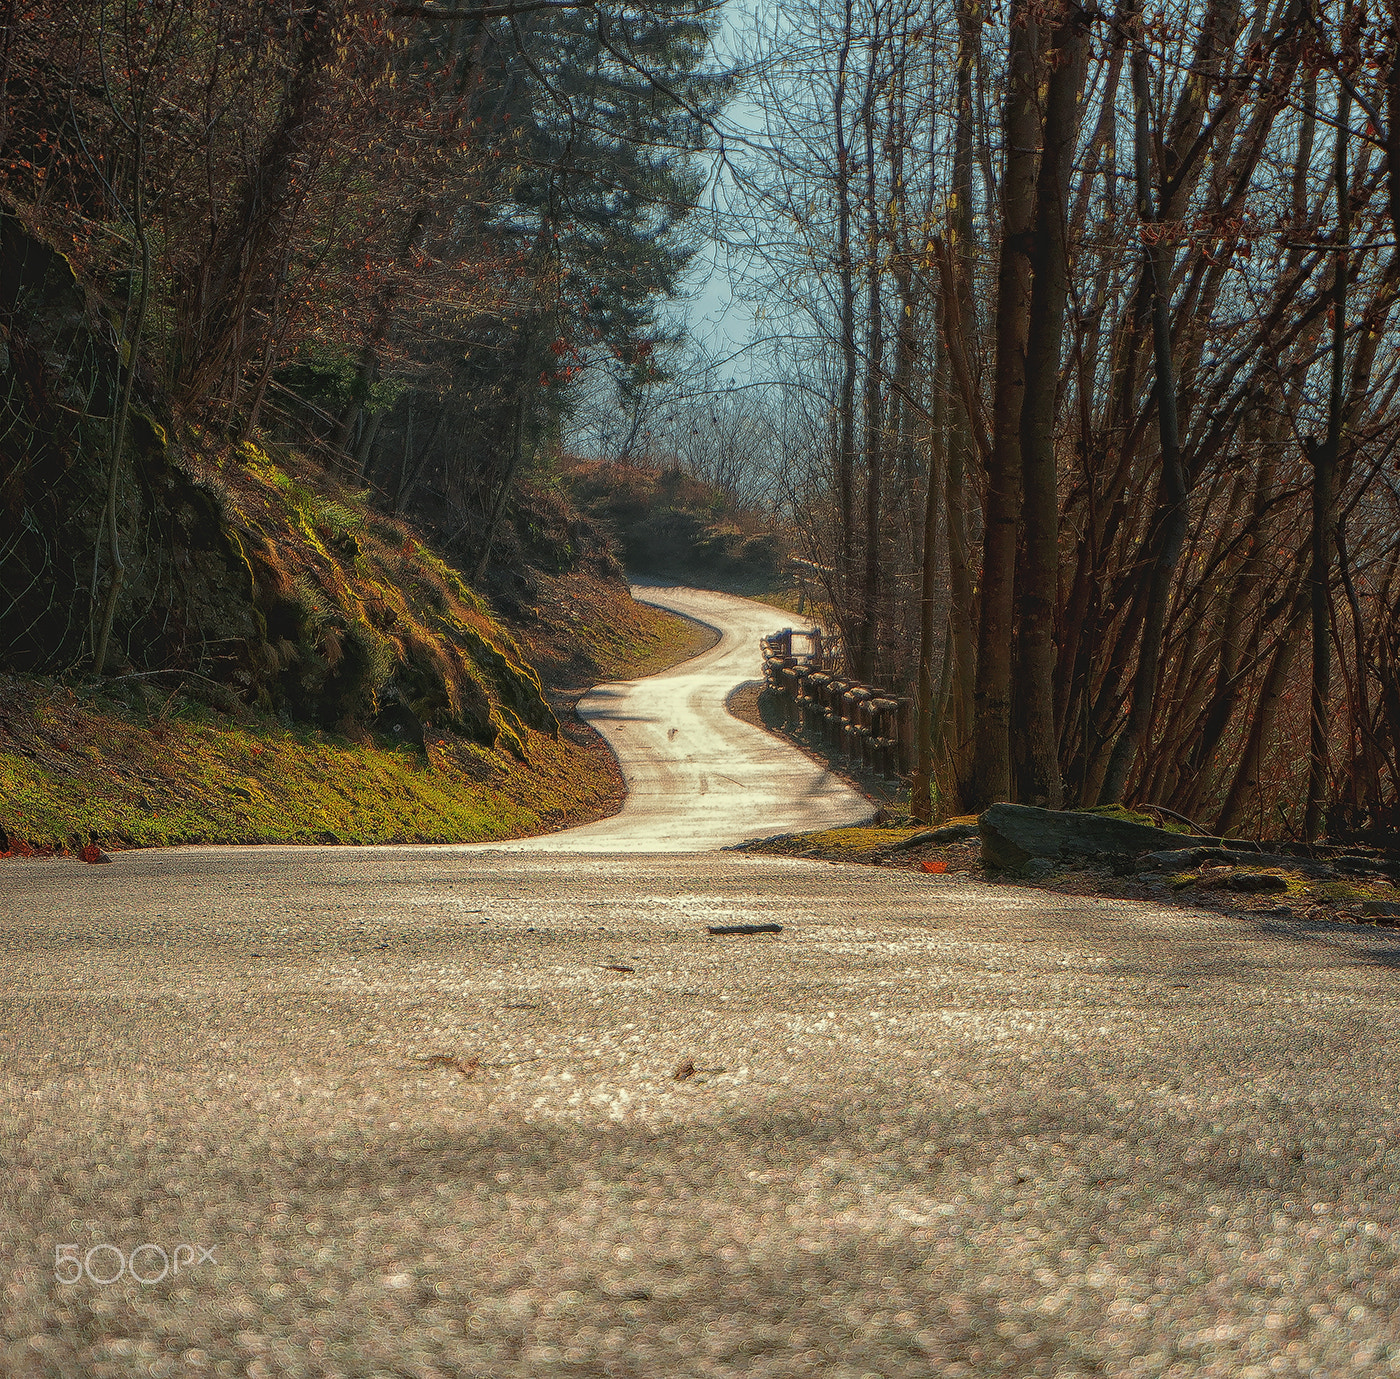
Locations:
{"points": [[1324, 458], [991, 763], [921, 784], [1038, 585], [874, 412], [1261, 727], [1170, 518], [846, 402], [962, 634]]}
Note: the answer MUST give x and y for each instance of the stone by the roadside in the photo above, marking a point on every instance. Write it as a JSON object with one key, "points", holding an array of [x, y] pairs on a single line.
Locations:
{"points": [[1038, 868], [1186, 859], [953, 833], [1380, 909], [1014, 833], [1247, 883]]}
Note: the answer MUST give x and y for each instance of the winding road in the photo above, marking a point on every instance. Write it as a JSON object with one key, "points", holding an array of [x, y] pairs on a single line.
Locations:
{"points": [[474, 1112], [697, 777]]}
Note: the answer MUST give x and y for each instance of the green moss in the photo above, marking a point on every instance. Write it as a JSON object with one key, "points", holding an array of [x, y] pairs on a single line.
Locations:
{"points": [[1339, 892], [155, 433], [196, 777], [338, 519], [1135, 816], [839, 843], [236, 543], [258, 462]]}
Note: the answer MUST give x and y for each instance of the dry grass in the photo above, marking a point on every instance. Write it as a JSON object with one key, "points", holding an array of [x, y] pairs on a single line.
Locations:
{"points": [[586, 630]]}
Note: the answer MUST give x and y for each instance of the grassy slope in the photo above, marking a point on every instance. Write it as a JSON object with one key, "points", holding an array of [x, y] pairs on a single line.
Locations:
{"points": [[140, 770], [588, 630]]}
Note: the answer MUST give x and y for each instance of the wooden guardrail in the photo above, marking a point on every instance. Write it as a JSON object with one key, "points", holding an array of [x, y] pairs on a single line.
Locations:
{"points": [[870, 726]]}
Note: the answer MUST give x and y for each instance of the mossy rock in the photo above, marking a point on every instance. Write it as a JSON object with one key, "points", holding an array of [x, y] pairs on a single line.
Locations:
{"points": [[1247, 883], [1014, 833], [1133, 816]]}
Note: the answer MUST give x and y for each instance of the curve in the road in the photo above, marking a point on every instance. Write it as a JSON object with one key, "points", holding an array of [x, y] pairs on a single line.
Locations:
{"points": [[697, 777]]}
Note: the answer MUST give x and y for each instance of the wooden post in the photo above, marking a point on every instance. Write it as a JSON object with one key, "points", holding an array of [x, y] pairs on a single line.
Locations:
{"points": [[905, 734]]}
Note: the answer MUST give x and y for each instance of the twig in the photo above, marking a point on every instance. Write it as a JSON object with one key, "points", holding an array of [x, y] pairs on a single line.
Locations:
{"points": [[471, 1066], [1172, 814]]}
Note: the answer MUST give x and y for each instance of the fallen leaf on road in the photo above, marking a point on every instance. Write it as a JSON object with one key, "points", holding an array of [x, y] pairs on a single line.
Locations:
{"points": [[745, 928], [688, 1069], [618, 967], [937, 867], [467, 1067], [92, 853]]}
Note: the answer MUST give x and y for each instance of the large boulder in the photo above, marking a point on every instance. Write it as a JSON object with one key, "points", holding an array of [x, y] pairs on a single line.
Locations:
{"points": [[1013, 834]]}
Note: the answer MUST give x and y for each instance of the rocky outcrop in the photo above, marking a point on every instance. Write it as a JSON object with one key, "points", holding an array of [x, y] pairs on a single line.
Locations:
{"points": [[250, 577], [187, 582], [1013, 834], [1187, 859]]}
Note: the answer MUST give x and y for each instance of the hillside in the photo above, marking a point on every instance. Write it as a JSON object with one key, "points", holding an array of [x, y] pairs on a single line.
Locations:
{"points": [[668, 522], [288, 663]]}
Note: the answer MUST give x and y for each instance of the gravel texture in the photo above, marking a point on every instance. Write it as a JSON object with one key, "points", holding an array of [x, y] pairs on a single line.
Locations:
{"points": [[933, 1128]]}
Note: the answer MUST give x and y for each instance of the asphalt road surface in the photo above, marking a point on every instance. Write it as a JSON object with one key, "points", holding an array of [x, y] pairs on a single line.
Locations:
{"points": [[697, 777], [415, 1112]]}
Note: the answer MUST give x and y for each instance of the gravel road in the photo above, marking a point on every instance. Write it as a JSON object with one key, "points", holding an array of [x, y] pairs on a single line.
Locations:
{"points": [[415, 1112]]}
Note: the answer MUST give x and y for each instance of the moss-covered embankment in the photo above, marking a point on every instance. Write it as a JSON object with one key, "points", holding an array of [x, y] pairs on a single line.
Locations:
{"points": [[136, 765]]}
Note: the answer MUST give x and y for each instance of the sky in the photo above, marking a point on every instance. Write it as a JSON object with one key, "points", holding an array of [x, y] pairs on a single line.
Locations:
{"points": [[708, 308]]}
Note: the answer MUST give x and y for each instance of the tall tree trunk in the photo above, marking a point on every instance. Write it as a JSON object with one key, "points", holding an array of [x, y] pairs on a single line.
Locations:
{"points": [[874, 412], [1324, 502], [1040, 509], [921, 785], [962, 635], [1232, 658], [1169, 520], [846, 402], [1246, 783], [1392, 141], [991, 762]]}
